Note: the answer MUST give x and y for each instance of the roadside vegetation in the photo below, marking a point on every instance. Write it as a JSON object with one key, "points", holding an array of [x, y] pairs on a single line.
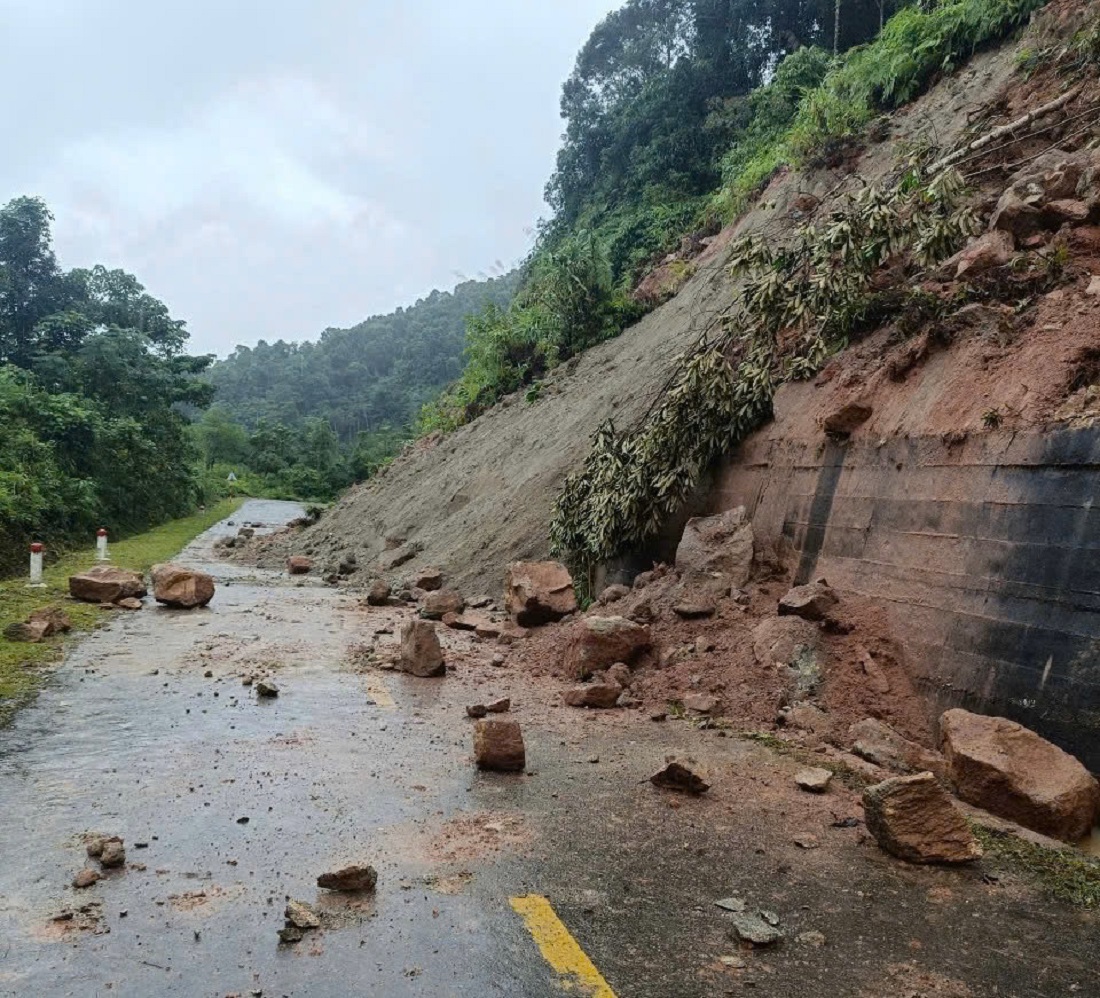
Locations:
{"points": [[20, 663], [677, 115]]}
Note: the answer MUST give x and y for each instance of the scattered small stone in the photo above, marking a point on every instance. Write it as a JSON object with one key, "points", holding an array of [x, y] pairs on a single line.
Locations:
{"points": [[598, 695], [681, 774], [593, 759], [86, 878], [755, 930], [731, 904], [501, 706], [350, 878], [806, 840], [812, 602], [209, 674], [812, 938], [694, 609], [299, 564], [813, 779], [266, 689], [113, 854], [290, 934], [659, 715], [301, 916], [771, 917], [130, 603], [477, 710], [243, 820], [733, 962], [497, 660], [700, 703]]}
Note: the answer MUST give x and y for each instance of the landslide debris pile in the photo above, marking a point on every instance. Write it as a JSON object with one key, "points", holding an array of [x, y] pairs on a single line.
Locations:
{"points": [[483, 496]]}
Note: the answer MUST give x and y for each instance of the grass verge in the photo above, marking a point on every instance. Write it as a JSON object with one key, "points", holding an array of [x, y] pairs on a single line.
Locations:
{"points": [[21, 674], [1066, 874]]}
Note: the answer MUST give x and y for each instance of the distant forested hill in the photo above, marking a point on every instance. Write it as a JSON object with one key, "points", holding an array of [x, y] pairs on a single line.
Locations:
{"points": [[365, 379]]}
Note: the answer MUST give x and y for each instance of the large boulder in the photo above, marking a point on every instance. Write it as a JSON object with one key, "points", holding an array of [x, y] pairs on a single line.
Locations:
{"points": [[915, 819], [499, 745], [28, 632], [421, 654], [1008, 770], [182, 588], [717, 545], [539, 592], [106, 584], [599, 642]]}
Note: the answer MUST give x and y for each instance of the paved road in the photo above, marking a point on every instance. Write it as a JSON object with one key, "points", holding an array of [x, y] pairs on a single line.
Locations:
{"points": [[241, 803]]}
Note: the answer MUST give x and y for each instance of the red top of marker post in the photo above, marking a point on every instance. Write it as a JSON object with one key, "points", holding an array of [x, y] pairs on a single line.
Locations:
{"points": [[101, 532], [36, 548]]}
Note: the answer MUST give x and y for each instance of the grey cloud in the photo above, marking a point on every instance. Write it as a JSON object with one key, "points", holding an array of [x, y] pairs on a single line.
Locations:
{"points": [[273, 169]]}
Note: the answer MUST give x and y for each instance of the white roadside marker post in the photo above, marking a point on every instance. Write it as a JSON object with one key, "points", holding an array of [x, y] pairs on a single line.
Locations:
{"points": [[101, 545], [36, 566]]}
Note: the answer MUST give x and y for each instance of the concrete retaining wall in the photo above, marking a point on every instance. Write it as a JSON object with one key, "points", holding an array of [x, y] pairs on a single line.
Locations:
{"points": [[986, 552]]}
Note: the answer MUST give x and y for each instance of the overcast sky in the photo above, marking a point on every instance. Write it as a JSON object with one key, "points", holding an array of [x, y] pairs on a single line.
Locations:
{"points": [[270, 169]]}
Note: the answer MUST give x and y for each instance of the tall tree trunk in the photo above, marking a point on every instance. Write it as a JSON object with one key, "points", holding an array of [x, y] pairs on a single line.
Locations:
{"points": [[836, 28]]}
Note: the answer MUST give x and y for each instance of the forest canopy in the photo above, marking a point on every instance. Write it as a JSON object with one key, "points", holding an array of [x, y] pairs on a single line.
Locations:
{"points": [[93, 380]]}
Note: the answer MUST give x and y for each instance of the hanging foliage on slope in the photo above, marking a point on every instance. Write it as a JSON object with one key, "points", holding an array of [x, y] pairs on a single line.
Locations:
{"points": [[799, 303]]}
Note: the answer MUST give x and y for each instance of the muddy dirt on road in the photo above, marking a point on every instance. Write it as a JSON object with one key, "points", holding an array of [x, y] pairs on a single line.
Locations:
{"points": [[230, 804]]}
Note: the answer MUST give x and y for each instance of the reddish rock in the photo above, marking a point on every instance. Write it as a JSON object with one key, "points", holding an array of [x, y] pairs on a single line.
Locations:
{"points": [[877, 742], [28, 632], [396, 557], [56, 620], [694, 609], [350, 878], [914, 818], [811, 602], [299, 564], [619, 673], [539, 592], [1017, 216], [486, 627], [501, 706], [721, 544], [597, 642], [477, 622], [428, 579], [612, 594], [813, 779], [701, 703], [476, 710], [379, 593], [511, 633], [436, 605], [129, 603], [421, 654], [499, 745], [113, 854], [847, 419], [86, 878], [182, 588], [1065, 211], [106, 584], [1008, 770], [680, 773], [785, 640], [988, 251], [600, 695]]}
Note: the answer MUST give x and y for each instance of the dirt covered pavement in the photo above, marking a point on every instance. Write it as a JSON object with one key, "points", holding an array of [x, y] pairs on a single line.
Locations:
{"points": [[230, 804]]}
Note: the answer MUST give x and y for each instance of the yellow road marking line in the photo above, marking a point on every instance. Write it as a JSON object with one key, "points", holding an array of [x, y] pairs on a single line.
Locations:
{"points": [[379, 693], [558, 947]]}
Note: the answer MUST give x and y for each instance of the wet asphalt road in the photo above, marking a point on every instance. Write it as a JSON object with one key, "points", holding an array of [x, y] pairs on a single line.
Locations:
{"points": [[132, 738], [180, 761]]}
